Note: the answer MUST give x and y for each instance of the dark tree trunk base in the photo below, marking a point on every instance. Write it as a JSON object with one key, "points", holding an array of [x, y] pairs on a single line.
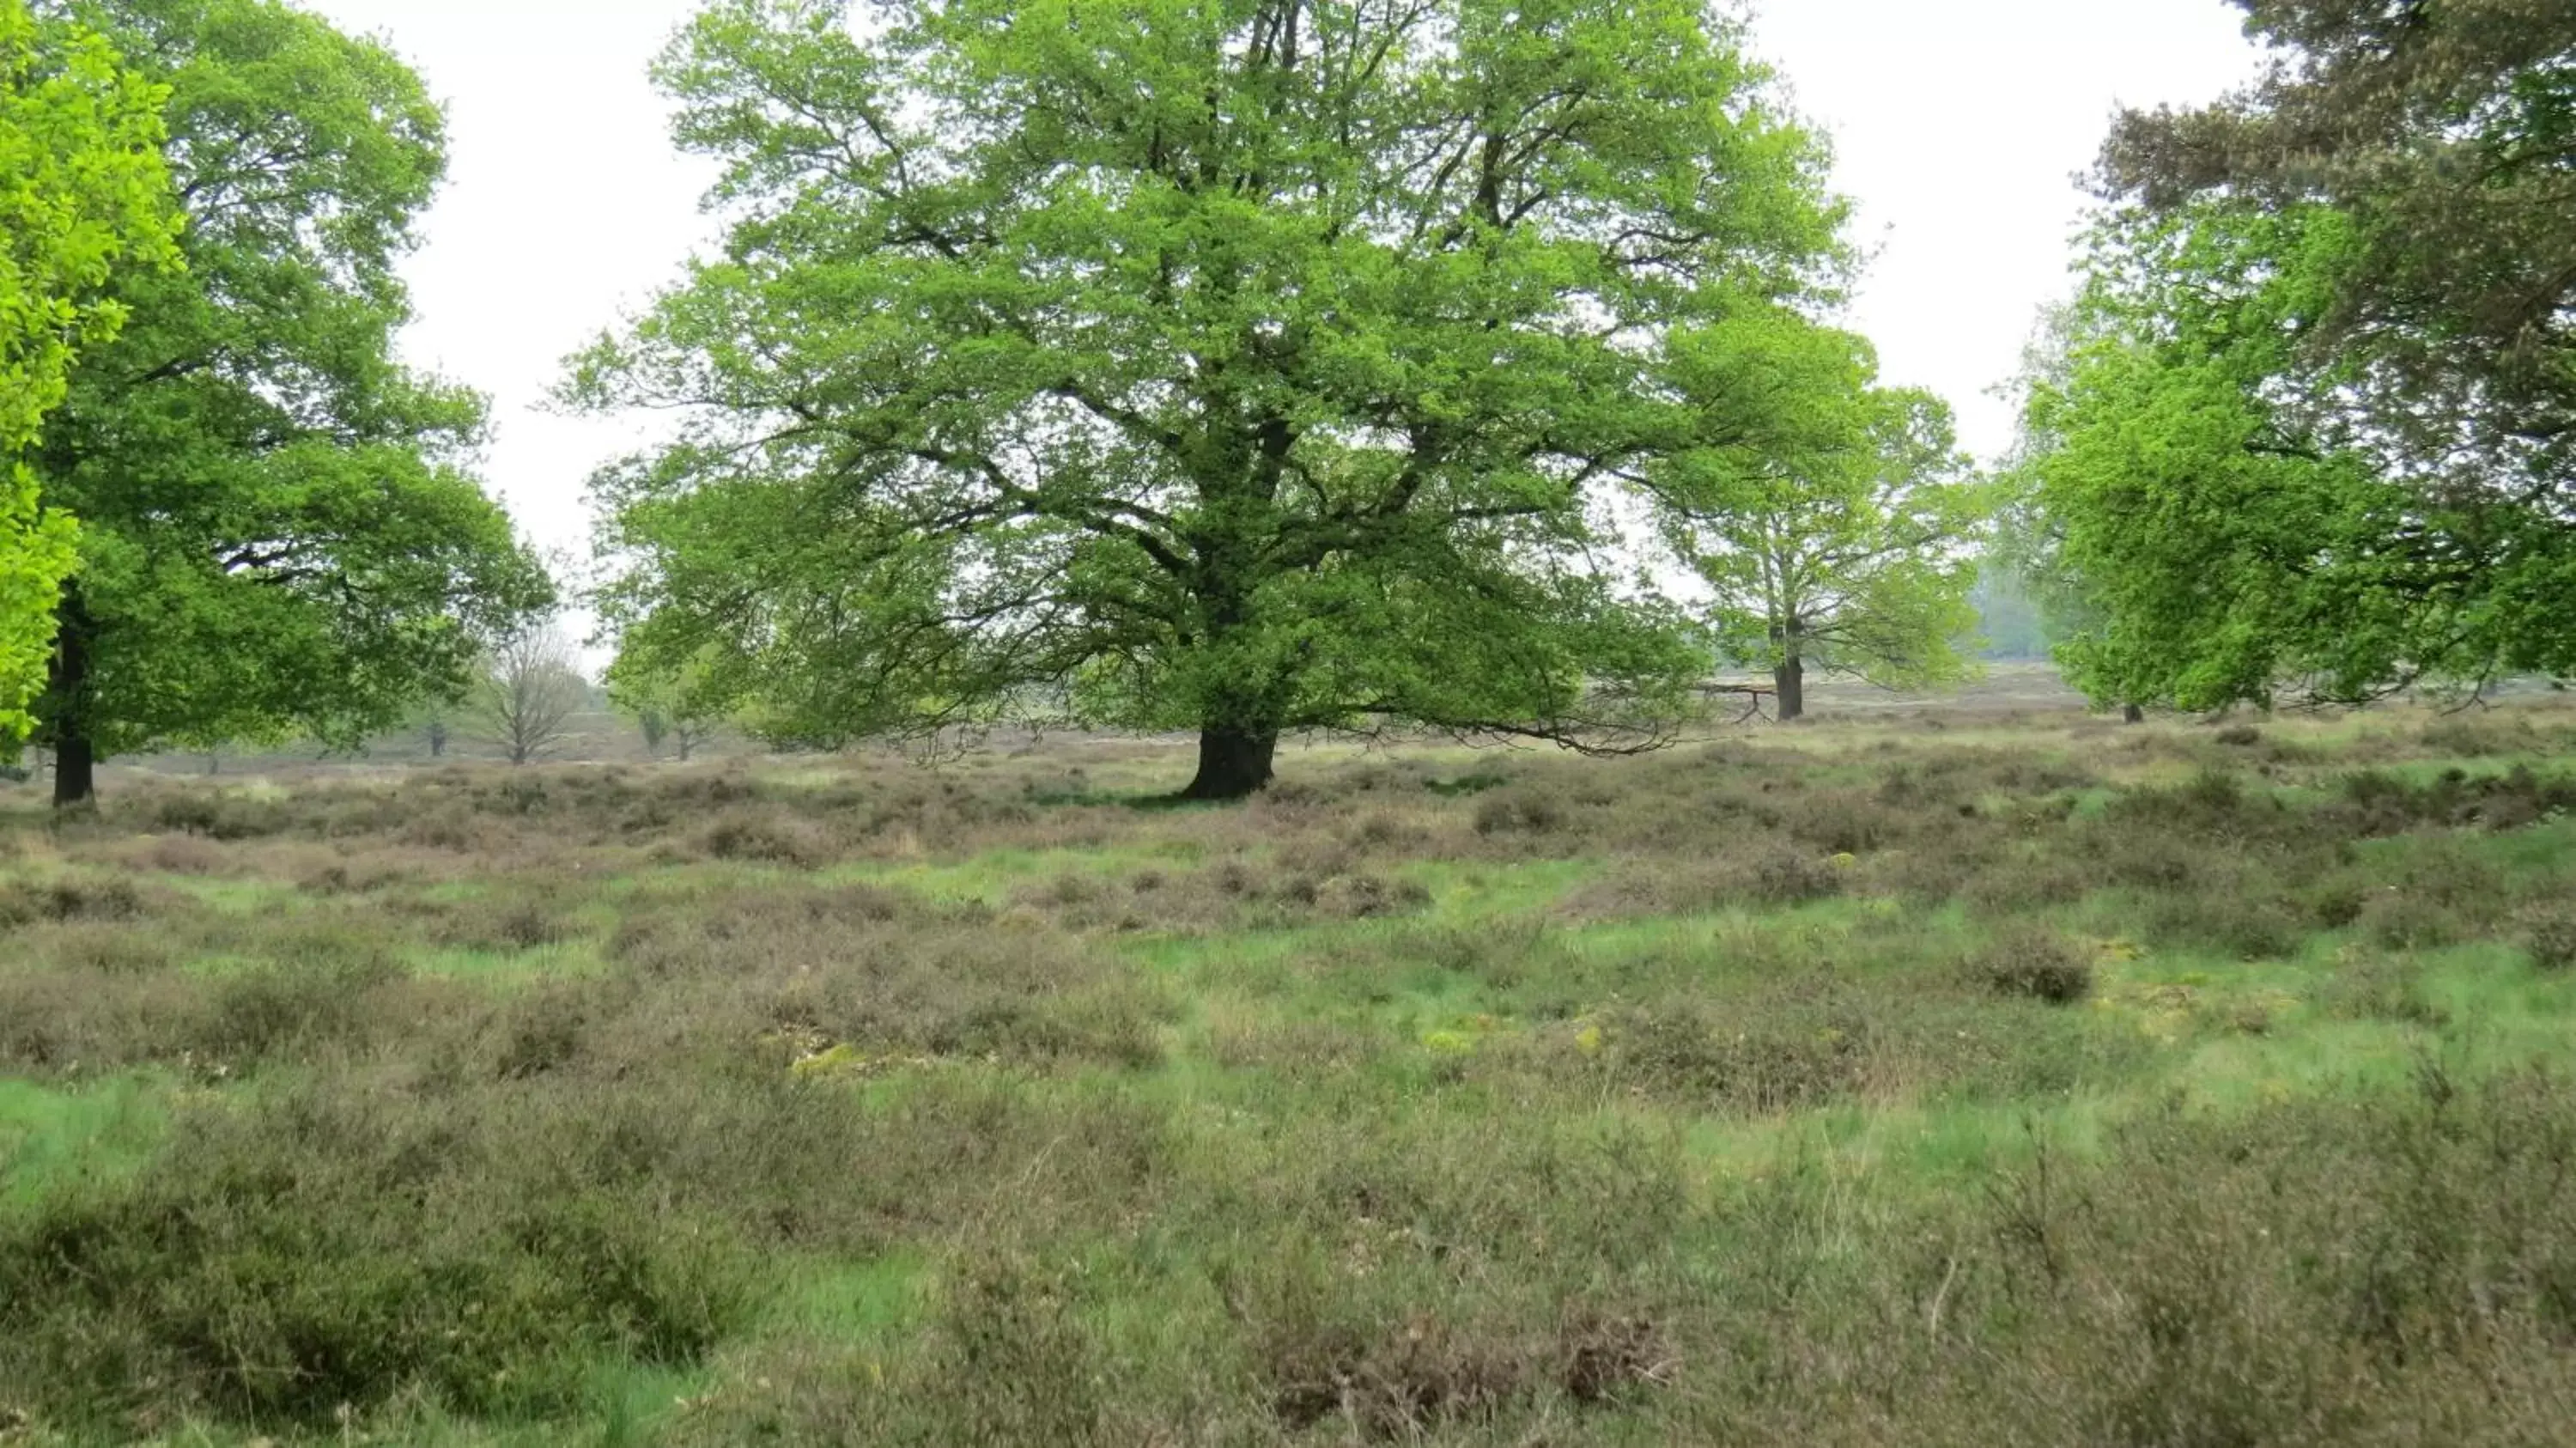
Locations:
{"points": [[1233, 764], [75, 773], [2133, 714], [1790, 683], [67, 682]]}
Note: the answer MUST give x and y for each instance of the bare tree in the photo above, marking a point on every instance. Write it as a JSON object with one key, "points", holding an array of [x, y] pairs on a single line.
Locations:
{"points": [[531, 690]]}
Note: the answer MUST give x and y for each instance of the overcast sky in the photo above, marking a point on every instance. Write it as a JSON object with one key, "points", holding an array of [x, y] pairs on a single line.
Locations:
{"points": [[1959, 127]]}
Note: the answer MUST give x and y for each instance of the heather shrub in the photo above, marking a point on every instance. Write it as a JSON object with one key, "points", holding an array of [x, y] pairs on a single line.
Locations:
{"points": [[2040, 964]]}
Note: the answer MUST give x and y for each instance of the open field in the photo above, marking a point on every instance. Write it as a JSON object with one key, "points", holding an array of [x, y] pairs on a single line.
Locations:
{"points": [[1988, 1075]]}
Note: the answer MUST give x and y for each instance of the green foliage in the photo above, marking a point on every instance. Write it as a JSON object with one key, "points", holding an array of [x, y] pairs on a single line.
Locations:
{"points": [[1831, 518], [279, 537], [2309, 429], [2223, 544], [668, 705], [2440, 137], [83, 192], [1242, 368]]}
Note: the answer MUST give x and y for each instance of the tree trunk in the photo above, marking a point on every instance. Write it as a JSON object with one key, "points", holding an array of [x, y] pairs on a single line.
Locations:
{"points": [[2133, 714], [75, 770], [1790, 679], [1234, 763], [75, 755]]}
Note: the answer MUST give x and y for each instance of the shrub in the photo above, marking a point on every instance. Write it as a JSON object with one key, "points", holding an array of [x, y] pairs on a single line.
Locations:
{"points": [[2242, 919], [1361, 897], [2549, 934], [71, 899], [767, 838], [2373, 987], [220, 816], [2400, 920], [2041, 965], [1762, 1063], [286, 1264], [500, 923], [872, 971], [1520, 809]]}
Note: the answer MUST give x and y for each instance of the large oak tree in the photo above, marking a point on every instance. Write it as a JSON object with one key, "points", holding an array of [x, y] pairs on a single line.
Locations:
{"points": [[278, 534], [1240, 366]]}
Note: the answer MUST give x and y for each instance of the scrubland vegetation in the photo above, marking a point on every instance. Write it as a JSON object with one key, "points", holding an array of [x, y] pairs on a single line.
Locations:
{"points": [[1934, 1079]]}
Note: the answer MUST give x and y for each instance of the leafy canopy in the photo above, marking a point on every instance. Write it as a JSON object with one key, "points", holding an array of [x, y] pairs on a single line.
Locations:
{"points": [[279, 534], [2441, 136], [1842, 531], [1240, 365], [82, 192], [2313, 427], [2224, 542]]}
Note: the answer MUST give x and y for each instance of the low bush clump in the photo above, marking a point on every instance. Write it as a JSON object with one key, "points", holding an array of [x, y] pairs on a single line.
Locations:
{"points": [[288, 1263], [2040, 965], [2549, 934]]}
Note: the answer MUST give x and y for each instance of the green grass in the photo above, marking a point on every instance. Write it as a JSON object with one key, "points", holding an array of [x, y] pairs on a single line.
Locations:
{"points": [[51, 1138]]}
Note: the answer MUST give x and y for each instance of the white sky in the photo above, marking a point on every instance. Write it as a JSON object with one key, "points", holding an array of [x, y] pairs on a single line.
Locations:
{"points": [[1959, 127]]}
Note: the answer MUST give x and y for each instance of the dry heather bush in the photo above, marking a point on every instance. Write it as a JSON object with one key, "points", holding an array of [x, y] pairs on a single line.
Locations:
{"points": [[1384, 832], [2549, 934], [2376, 803], [89, 1020], [2038, 963], [218, 816], [376, 1234], [2000, 882], [1296, 1050], [1847, 822], [1522, 810], [97, 996], [2484, 735], [172, 855], [24, 903], [768, 838], [1758, 1063], [2343, 1272], [870, 971], [2435, 892], [1230, 895], [502, 922], [1401, 1381], [1760, 875], [2214, 806], [282, 1265], [359, 875]]}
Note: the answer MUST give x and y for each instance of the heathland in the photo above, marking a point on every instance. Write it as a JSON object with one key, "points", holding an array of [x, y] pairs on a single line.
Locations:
{"points": [[1952, 1076]]}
